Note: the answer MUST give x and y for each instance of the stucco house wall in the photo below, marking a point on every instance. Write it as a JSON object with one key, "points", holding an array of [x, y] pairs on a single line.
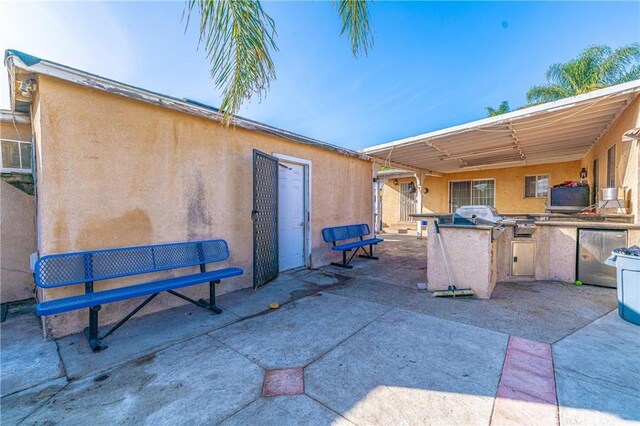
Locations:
{"points": [[113, 172], [17, 228], [627, 157], [509, 189]]}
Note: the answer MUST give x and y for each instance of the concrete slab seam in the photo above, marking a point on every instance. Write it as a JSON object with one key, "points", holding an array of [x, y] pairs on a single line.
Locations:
{"points": [[348, 337]]}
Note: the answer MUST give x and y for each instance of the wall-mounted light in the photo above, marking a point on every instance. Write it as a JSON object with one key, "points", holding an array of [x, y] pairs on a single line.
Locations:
{"points": [[395, 182], [28, 87], [426, 190], [583, 173]]}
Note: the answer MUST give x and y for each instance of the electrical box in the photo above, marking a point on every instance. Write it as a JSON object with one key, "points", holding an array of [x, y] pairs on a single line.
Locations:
{"points": [[523, 255]]}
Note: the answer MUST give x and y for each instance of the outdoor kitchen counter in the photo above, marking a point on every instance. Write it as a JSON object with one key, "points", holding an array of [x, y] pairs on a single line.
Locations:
{"points": [[479, 261], [471, 253]]}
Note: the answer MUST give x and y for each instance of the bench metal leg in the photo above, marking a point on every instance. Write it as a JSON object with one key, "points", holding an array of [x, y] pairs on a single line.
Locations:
{"points": [[91, 332], [345, 262], [368, 255], [129, 315], [212, 298], [202, 303]]}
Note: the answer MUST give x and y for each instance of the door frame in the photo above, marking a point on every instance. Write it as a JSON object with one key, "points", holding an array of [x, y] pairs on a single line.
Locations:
{"points": [[307, 200]]}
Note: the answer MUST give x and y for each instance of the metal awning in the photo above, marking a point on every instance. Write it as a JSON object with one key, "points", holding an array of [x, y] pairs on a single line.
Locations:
{"points": [[554, 132]]}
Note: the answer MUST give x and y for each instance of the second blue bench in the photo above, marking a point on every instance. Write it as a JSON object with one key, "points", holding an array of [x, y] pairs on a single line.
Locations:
{"points": [[358, 233]]}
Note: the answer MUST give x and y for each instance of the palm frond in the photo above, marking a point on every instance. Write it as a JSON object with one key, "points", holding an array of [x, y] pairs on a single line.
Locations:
{"points": [[617, 64], [238, 38], [503, 108], [547, 93], [355, 21]]}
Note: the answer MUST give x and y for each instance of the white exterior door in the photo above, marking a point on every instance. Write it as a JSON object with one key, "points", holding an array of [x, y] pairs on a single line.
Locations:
{"points": [[291, 216]]}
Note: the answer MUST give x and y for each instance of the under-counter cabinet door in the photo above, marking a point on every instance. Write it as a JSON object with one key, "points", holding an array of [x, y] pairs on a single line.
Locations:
{"points": [[523, 258]]}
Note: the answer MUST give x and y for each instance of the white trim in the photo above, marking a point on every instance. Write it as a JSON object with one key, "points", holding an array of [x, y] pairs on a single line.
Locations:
{"points": [[20, 169], [308, 197]]}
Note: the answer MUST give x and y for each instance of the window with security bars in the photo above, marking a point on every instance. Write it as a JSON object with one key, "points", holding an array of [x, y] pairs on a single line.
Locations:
{"points": [[536, 186], [16, 156], [471, 192]]}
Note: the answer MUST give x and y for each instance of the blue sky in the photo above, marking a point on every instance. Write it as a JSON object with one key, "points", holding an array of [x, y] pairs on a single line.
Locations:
{"points": [[433, 65]]}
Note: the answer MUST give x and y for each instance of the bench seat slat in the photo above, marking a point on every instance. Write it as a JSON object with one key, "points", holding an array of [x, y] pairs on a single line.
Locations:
{"points": [[356, 244], [66, 304]]}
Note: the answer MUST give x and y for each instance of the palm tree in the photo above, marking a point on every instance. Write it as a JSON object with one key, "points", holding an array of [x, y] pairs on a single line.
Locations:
{"points": [[238, 37], [502, 109], [596, 67]]}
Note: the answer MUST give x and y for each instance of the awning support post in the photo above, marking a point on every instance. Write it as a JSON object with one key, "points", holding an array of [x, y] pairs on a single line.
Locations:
{"points": [[418, 177]]}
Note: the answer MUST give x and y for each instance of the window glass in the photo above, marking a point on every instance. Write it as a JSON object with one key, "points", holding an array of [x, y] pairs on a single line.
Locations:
{"points": [[483, 192], [536, 186], [10, 155], [477, 192], [611, 167], [529, 186], [460, 194], [25, 149]]}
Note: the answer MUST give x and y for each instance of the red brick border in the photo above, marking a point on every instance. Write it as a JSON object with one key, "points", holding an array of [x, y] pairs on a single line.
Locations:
{"points": [[289, 381], [527, 389]]}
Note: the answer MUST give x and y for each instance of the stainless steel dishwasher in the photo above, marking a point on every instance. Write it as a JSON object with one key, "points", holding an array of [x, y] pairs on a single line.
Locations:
{"points": [[594, 246]]}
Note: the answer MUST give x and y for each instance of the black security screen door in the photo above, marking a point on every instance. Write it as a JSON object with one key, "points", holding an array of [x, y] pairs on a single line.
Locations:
{"points": [[265, 218]]}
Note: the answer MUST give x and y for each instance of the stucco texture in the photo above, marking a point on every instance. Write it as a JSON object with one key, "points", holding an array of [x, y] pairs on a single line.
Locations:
{"points": [[116, 172], [509, 189], [17, 229], [17, 236], [627, 157]]}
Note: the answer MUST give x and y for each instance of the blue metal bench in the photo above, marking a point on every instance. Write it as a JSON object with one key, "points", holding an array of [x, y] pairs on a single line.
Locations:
{"points": [[350, 232], [86, 267]]}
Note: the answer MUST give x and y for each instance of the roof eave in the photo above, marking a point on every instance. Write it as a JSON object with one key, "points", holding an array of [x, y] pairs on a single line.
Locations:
{"points": [[619, 89], [14, 60]]}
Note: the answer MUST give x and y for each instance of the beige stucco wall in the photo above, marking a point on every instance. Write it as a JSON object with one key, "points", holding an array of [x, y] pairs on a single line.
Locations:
{"points": [[17, 229], [17, 242], [509, 184], [627, 157], [116, 172], [15, 131], [478, 274]]}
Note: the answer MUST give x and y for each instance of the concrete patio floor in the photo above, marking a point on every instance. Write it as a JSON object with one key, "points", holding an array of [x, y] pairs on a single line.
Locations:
{"points": [[359, 346]]}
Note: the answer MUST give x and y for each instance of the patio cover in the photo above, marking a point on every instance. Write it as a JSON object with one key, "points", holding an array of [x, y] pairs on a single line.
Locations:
{"points": [[553, 132]]}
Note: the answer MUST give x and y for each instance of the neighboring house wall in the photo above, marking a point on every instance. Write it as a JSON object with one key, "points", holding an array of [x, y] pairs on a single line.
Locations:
{"points": [[17, 229], [509, 189], [116, 172], [627, 157]]}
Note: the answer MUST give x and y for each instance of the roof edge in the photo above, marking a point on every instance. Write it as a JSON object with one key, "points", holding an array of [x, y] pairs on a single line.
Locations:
{"points": [[21, 60], [6, 115], [629, 87]]}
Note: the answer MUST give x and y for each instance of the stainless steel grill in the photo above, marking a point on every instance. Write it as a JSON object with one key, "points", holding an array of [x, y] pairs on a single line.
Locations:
{"points": [[488, 216], [524, 228]]}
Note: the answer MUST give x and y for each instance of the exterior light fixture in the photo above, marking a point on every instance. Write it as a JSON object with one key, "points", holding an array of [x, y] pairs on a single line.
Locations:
{"points": [[583, 173], [28, 87], [395, 182]]}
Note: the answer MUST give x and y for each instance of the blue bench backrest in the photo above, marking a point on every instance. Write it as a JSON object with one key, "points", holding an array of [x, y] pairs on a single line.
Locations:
{"points": [[338, 233], [58, 270]]}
